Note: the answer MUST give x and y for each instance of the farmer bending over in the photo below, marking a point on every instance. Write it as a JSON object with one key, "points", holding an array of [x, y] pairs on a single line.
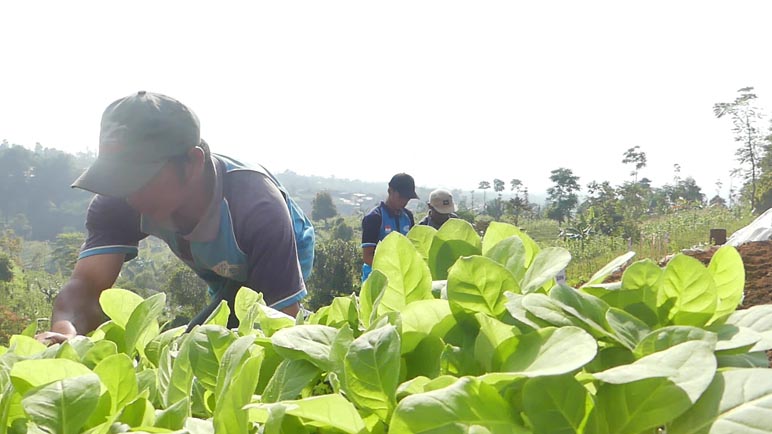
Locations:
{"points": [[233, 225]]}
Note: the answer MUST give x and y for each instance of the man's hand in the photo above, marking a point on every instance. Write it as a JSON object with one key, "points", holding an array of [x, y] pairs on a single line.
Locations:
{"points": [[60, 332], [50, 338]]}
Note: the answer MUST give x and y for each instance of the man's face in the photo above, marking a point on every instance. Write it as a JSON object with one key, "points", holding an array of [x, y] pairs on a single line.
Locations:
{"points": [[439, 217], [402, 200], [162, 195]]}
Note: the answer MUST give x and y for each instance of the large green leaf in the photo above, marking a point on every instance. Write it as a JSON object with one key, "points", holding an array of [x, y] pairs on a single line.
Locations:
{"points": [[638, 407], [456, 238], [208, 344], [587, 309], [423, 318], [737, 401], [407, 274], [236, 382], [728, 272], [733, 339], [245, 308], [289, 379], [117, 374], [232, 359], [641, 275], [172, 417], [690, 287], [23, 346], [546, 265], [29, 374], [489, 350], [158, 343], [372, 370], [138, 412], [180, 374], [542, 307], [343, 310], [219, 316], [556, 405], [510, 252], [425, 359], [331, 413], [370, 296], [498, 231], [467, 406], [690, 366], [759, 319], [118, 304], [666, 337], [551, 351], [271, 320], [422, 237], [626, 328], [142, 320], [310, 342], [65, 405], [477, 284]]}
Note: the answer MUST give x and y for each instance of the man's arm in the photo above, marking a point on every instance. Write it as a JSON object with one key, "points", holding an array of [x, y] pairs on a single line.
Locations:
{"points": [[371, 230], [76, 308], [368, 252]]}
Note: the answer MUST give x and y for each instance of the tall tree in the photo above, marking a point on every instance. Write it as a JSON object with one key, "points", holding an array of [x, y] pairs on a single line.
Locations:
{"points": [[745, 118], [323, 207], [518, 205], [562, 196], [637, 158], [484, 185]]}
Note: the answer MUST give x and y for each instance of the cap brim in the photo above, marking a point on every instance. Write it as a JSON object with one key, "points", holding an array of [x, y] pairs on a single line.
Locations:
{"points": [[117, 178], [409, 194]]}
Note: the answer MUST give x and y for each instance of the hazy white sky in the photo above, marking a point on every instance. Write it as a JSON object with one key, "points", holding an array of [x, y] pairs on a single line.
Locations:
{"points": [[450, 92]]}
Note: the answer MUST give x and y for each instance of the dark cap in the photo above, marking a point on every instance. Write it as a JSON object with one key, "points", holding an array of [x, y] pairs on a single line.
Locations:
{"points": [[139, 133], [403, 184]]}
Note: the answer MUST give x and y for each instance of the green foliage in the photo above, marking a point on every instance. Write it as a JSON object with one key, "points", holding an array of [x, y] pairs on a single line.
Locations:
{"points": [[35, 195], [6, 268], [336, 272], [342, 231], [500, 348], [323, 207], [187, 292], [65, 250], [562, 196]]}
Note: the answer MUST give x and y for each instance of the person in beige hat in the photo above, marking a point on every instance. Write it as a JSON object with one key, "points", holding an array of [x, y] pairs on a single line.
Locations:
{"points": [[441, 208]]}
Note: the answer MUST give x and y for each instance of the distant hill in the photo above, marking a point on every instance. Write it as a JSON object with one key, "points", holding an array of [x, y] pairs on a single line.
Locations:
{"points": [[357, 197]]}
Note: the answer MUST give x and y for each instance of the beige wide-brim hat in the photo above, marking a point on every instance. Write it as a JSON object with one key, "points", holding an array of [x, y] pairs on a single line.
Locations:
{"points": [[442, 201]]}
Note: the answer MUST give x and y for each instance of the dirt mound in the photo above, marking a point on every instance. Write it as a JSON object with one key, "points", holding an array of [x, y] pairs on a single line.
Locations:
{"points": [[757, 257]]}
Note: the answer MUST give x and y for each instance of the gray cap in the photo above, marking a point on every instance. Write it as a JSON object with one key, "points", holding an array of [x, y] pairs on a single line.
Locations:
{"points": [[139, 134]]}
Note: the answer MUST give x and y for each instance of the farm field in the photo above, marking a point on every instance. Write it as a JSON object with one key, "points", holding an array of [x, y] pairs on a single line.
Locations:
{"points": [[459, 334]]}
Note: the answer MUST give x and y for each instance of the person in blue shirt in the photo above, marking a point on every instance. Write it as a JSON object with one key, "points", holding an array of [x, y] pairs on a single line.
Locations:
{"points": [[233, 224], [390, 215]]}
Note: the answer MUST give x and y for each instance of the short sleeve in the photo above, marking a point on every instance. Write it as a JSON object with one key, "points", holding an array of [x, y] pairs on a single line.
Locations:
{"points": [[371, 229], [113, 227], [265, 234]]}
